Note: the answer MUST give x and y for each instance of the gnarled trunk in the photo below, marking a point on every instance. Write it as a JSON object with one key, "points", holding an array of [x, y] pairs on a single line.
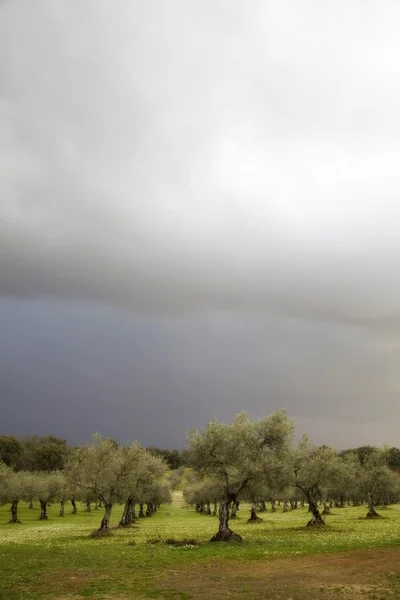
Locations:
{"points": [[141, 511], [326, 510], [128, 516], [313, 508], [371, 514], [150, 509], [253, 514], [88, 509], [73, 506], [126, 519], [263, 506], [14, 512], [225, 534], [43, 510], [233, 510], [62, 506], [105, 522]]}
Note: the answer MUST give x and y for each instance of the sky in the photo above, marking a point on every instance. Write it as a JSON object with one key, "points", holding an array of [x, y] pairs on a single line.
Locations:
{"points": [[199, 215]]}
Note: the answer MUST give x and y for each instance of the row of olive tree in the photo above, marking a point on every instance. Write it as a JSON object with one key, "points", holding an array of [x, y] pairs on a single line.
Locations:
{"points": [[102, 471], [115, 473], [257, 462]]}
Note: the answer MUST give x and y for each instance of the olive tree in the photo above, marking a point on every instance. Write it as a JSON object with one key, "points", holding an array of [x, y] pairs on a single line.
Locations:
{"points": [[11, 489], [202, 494], [14, 490], [372, 477], [235, 455], [65, 492], [48, 488], [256, 492], [103, 468], [146, 469], [314, 469], [5, 471]]}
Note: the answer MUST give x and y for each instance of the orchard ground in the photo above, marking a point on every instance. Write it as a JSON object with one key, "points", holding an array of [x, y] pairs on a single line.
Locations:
{"points": [[351, 557]]}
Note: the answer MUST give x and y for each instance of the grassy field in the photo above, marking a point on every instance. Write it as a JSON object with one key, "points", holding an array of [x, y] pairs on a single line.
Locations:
{"points": [[279, 558]]}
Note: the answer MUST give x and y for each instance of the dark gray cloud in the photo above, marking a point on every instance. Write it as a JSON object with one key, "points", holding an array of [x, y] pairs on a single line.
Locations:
{"points": [[193, 167], [75, 368]]}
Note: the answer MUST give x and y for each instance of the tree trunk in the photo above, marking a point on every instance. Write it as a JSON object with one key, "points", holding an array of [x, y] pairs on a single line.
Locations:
{"points": [[30, 504], [14, 512], [214, 512], [233, 510], [253, 514], [130, 512], [141, 511], [273, 507], [43, 510], [313, 507], [372, 514], [263, 506], [326, 510], [285, 506], [62, 505], [105, 522], [122, 522], [88, 509], [73, 506], [224, 533]]}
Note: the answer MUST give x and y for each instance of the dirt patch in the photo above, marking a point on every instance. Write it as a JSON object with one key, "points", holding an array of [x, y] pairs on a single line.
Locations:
{"points": [[65, 584], [362, 574], [67, 581]]}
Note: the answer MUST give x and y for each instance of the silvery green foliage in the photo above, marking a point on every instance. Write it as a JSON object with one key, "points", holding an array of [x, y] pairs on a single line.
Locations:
{"points": [[371, 478], [5, 473], [114, 473], [241, 451], [49, 486], [315, 468]]}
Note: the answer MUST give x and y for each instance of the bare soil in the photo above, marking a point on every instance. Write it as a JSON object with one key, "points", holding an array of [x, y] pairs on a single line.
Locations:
{"points": [[363, 574]]}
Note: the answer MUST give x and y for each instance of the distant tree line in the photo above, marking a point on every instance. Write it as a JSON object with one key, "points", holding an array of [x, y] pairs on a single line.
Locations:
{"points": [[49, 453]]}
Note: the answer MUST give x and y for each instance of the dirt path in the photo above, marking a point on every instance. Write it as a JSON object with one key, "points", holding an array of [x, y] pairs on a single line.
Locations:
{"points": [[362, 574]]}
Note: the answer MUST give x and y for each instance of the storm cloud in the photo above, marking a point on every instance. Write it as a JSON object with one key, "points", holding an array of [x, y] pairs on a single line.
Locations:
{"points": [[209, 190]]}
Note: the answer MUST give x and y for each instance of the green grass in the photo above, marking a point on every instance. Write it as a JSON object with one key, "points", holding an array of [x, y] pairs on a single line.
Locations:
{"points": [[57, 559]]}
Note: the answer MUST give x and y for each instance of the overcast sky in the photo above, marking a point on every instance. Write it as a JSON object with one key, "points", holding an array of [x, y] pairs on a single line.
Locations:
{"points": [[199, 214]]}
